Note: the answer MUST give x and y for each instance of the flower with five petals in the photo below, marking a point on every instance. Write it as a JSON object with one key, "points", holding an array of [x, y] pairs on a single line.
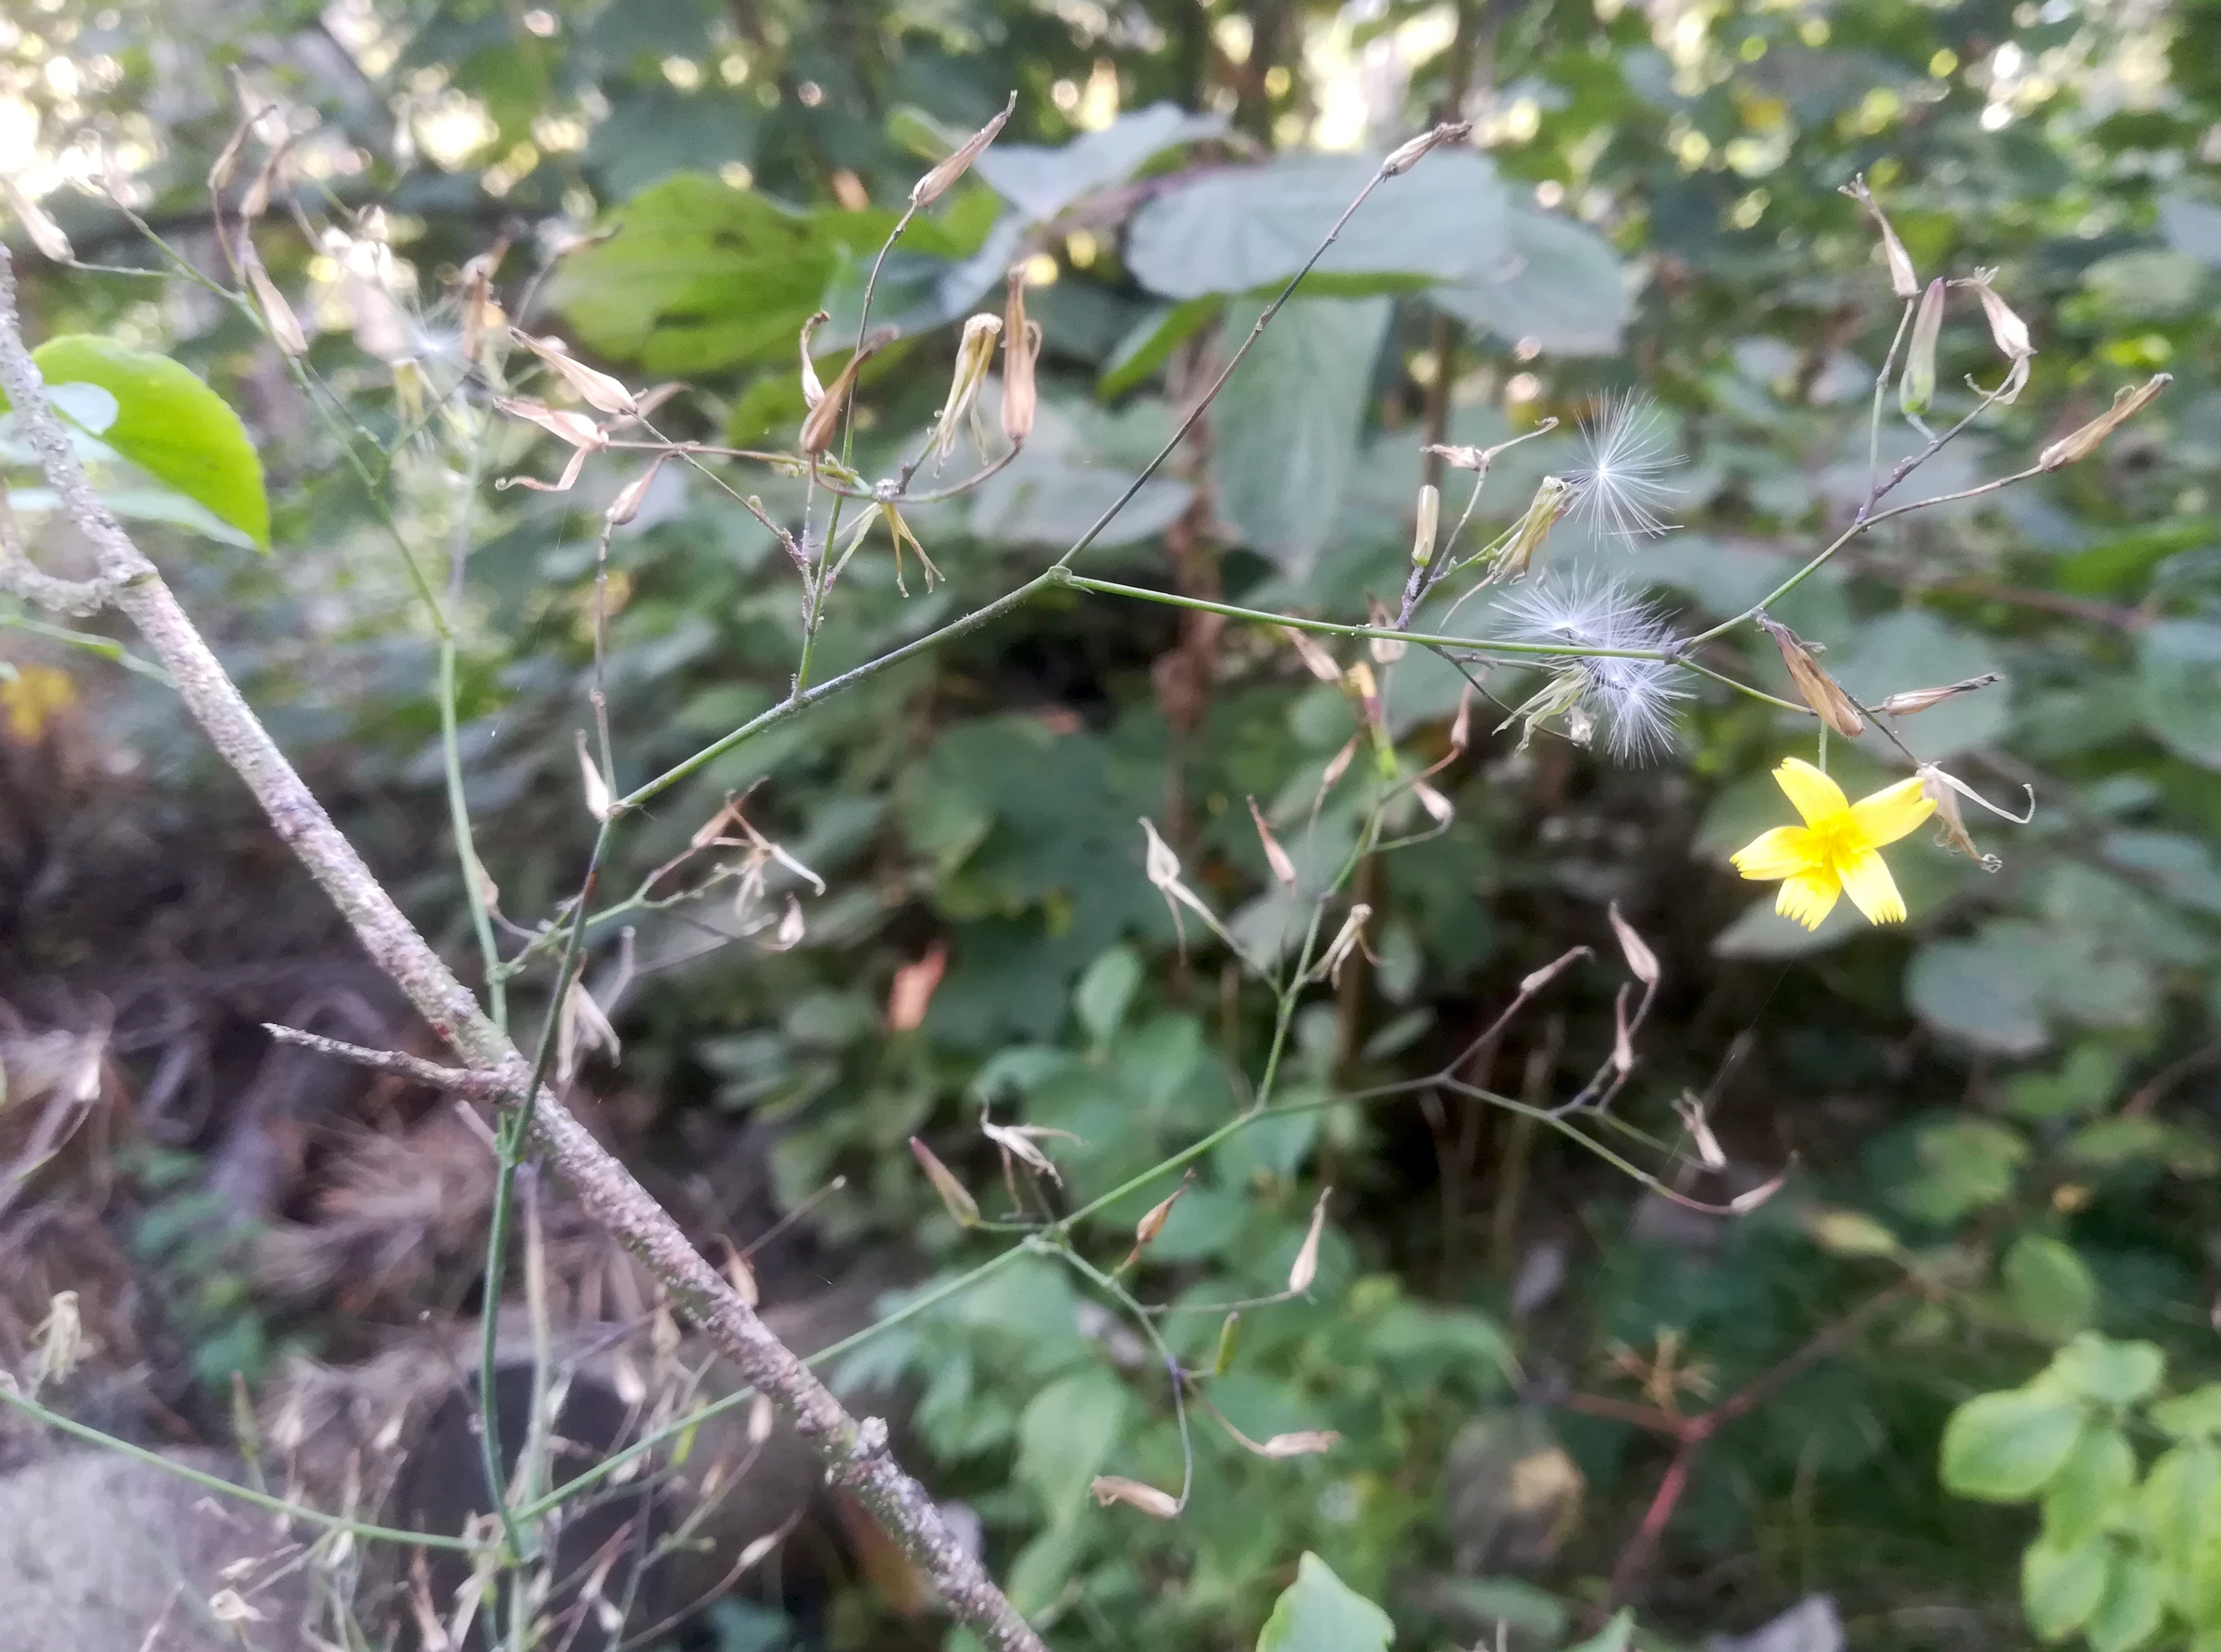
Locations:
{"points": [[1836, 851]]}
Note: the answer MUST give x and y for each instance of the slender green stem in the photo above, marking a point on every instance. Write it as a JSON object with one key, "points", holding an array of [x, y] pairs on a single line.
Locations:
{"points": [[55, 1420], [1177, 1377], [1335, 628], [106, 647], [451, 752]]}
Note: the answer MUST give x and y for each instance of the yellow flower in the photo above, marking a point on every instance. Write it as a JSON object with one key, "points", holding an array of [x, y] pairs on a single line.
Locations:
{"points": [[1836, 851]]}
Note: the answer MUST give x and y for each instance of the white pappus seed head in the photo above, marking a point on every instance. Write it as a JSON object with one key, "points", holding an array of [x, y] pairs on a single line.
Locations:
{"points": [[1632, 700], [1629, 445]]}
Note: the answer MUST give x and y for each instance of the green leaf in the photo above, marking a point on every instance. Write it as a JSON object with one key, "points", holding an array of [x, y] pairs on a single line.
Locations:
{"points": [[169, 424], [2193, 1415], [1988, 993], [1615, 1637], [1284, 428], [1105, 990], [2173, 1499], [2112, 1374], [1241, 229], [698, 275], [1318, 1612], [2127, 1612], [1151, 341], [2002, 1447], [2051, 1289], [1040, 182], [2179, 687], [1559, 283], [2061, 1587], [2098, 1473], [1912, 650], [1966, 1164], [1065, 1435]]}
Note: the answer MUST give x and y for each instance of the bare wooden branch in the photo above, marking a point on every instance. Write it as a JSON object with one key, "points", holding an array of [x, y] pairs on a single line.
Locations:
{"points": [[854, 1452], [456, 1080]]}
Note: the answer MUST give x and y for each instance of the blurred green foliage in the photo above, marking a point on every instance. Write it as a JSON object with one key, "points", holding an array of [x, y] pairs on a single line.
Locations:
{"points": [[2001, 1115]]}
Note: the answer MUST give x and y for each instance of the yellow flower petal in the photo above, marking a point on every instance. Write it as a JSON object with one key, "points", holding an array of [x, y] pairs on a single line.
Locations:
{"points": [[1892, 812], [1808, 897], [1782, 853], [1872, 891], [1817, 797]]}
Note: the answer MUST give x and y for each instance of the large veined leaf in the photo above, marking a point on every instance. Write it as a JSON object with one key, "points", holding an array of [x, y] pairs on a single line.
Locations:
{"points": [[700, 275], [1040, 182], [168, 423], [1556, 282], [2179, 684], [1318, 1612], [1284, 428], [1251, 227]]}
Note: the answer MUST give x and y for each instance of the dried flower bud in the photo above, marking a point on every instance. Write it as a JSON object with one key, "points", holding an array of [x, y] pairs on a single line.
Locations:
{"points": [[582, 1028], [1744, 1204], [1821, 692], [1338, 764], [1430, 517], [1275, 856], [975, 352], [1346, 939], [598, 801], [1385, 650], [597, 389], [1916, 386], [60, 1339], [1462, 724], [228, 1606], [2087, 441], [959, 1202], [792, 926], [480, 312], [1919, 700], [1904, 280], [1531, 530], [1407, 155], [1304, 1269], [1642, 962], [45, 234], [1439, 808], [1153, 1223], [284, 326], [626, 505], [1114, 1489], [1692, 1109], [1022, 344], [2007, 330], [1944, 790], [1303, 1443], [740, 1276], [813, 390], [1316, 661], [938, 182], [824, 421]]}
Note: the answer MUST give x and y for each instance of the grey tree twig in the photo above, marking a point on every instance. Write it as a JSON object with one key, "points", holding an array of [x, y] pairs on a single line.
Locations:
{"points": [[456, 1080], [854, 1454]]}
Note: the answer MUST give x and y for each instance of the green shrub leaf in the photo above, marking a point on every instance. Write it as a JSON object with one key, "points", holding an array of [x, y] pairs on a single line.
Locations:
{"points": [[1318, 1612], [2051, 1289], [168, 423], [2060, 1588], [2002, 1447]]}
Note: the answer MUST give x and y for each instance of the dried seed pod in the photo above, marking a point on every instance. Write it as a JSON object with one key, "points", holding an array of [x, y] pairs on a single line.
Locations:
{"points": [[1919, 700], [1115, 1488], [813, 390], [284, 326], [596, 389], [1304, 1269], [960, 1203], [943, 178], [1430, 517], [1022, 344], [2082, 443], [824, 421], [1904, 280], [1821, 692], [1408, 155]]}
